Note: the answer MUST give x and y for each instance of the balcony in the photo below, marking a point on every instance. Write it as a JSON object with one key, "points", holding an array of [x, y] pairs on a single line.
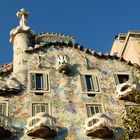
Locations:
{"points": [[63, 65], [10, 85], [128, 92], [42, 125], [98, 126], [6, 129]]}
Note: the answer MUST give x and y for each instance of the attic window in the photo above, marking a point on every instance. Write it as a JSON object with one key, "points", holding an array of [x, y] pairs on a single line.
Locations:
{"points": [[123, 78], [126, 78]]}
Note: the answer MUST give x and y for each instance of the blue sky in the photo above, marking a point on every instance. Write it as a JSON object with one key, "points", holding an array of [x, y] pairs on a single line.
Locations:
{"points": [[93, 23]]}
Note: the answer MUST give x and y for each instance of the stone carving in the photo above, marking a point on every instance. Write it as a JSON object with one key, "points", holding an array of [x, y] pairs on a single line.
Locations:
{"points": [[41, 125], [98, 125]]}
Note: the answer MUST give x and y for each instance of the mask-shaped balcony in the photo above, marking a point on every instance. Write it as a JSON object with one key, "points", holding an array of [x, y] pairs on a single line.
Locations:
{"points": [[98, 126], [63, 65], [10, 85], [6, 128], [42, 125], [128, 92]]}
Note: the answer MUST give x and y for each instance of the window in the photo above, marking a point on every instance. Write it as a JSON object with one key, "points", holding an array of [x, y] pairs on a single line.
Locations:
{"points": [[39, 81], [90, 83], [3, 108], [39, 107], [93, 109], [121, 78]]}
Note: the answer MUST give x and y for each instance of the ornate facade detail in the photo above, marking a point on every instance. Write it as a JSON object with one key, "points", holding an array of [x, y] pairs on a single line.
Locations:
{"points": [[98, 125], [63, 65]]}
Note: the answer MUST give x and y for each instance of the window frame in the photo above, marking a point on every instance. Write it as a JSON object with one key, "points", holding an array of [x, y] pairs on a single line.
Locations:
{"points": [[94, 105], [97, 82], [30, 82], [133, 77], [7, 107], [48, 103]]}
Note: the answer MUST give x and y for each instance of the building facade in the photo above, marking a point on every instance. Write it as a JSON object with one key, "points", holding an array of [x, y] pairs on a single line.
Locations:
{"points": [[127, 46], [56, 89]]}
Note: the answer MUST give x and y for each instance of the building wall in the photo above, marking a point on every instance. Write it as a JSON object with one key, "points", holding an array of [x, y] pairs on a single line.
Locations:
{"points": [[65, 97], [117, 47], [132, 51], [128, 48]]}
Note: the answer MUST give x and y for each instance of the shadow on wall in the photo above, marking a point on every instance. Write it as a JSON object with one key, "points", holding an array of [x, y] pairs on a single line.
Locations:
{"points": [[61, 135], [73, 72]]}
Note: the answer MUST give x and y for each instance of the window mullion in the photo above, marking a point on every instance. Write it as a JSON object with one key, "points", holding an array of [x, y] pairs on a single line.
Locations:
{"points": [[45, 81], [116, 79]]}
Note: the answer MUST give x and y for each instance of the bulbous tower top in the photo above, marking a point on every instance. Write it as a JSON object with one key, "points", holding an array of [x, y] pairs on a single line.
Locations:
{"points": [[23, 15]]}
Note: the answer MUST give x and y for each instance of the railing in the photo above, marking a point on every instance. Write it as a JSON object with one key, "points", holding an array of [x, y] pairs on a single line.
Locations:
{"points": [[98, 125], [128, 91], [41, 119], [9, 85]]}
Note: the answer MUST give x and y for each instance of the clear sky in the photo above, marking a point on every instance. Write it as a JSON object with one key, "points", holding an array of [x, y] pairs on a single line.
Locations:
{"points": [[93, 23]]}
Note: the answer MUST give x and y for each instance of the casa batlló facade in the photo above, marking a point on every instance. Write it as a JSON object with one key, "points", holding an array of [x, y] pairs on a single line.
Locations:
{"points": [[55, 89]]}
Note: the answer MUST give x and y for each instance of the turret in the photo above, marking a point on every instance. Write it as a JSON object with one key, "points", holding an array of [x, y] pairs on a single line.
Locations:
{"points": [[22, 38]]}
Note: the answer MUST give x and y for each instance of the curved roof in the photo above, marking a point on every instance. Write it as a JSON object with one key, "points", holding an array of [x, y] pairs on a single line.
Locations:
{"points": [[55, 39]]}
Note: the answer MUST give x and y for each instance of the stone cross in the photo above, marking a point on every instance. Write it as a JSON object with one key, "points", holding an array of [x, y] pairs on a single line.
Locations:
{"points": [[22, 14]]}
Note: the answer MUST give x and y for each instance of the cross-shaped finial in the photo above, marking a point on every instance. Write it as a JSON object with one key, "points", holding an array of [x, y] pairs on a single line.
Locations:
{"points": [[22, 14]]}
